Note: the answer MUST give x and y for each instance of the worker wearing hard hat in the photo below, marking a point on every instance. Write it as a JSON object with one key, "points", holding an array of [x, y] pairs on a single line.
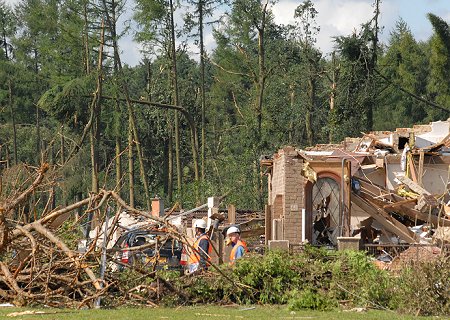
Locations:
{"points": [[201, 255], [239, 247]]}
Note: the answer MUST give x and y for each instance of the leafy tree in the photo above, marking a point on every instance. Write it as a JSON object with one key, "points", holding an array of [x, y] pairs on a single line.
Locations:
{"points": [[439, 83], [357, 89], [404, 63], [247, 58], [202, 10], [158, 29], [306, 32], [7, 29]]}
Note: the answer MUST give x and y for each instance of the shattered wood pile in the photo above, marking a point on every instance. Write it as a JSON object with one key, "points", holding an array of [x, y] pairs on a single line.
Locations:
{"points": [[39, 265], [379, 202]]}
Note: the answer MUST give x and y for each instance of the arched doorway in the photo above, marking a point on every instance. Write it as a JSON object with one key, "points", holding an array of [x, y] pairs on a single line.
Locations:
{"points": [[323, 211]]}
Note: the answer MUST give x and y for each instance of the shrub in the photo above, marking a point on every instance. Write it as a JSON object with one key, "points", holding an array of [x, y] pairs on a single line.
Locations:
{"points": [[309, 299], [424, 288], [320, 279], [356, 279]]}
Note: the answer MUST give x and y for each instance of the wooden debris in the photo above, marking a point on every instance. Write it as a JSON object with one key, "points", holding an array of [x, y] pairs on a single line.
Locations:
{"points": [[39, 267], [412, 185], [426, 203]]}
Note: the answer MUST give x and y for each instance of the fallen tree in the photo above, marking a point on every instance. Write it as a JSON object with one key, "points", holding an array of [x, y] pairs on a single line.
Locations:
{"points": [[40, 264]]}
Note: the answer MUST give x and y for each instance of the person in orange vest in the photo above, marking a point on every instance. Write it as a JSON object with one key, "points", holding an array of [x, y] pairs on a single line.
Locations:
{"points": [[239, 247], [201, 256]]}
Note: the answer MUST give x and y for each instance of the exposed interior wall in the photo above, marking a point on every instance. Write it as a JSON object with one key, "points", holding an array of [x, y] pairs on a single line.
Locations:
{"points": [[393, 168], [377, 176], [357, 216], [436, 178], [439, 130], [435, 175]]}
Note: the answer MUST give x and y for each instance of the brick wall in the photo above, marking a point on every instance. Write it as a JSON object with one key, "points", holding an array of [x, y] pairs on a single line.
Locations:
{"points": [[277, 177], [287, 198]]}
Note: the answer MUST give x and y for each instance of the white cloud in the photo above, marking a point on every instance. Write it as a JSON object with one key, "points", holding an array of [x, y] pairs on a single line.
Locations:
{"points": [[130, 51], [11, 2], [337, 18]]}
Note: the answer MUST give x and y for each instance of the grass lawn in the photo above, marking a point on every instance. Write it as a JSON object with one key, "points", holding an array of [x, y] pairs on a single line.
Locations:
{"points": [[201, 312]]}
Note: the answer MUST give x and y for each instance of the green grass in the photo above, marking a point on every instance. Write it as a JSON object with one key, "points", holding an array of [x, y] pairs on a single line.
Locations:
{"points": [[203, 312]]}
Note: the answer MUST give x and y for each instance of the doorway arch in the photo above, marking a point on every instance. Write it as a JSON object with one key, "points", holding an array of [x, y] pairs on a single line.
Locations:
{"points": [[323, 208]]}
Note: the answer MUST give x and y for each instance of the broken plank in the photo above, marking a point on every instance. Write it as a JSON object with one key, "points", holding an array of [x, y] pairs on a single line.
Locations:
{"points": [[385, 219], [412, 168], [253, 232], [404, 208], [415, 214], [399, 203], [420, 173], [412, 185]]}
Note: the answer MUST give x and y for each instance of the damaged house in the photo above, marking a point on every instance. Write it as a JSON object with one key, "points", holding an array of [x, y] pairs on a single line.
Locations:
{"points": [[385, 187]]}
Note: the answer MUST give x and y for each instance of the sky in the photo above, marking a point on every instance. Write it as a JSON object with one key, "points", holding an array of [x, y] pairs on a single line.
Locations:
{"points": [[335, 18]]}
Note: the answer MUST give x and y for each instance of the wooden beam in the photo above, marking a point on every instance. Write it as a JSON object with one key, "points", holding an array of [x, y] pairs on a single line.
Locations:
{"points": [[383, 218], [412, 185], [399, 203], [231, 214], [253, 232], [412, 168], [412, 140], [420, 173], [268, 223]]}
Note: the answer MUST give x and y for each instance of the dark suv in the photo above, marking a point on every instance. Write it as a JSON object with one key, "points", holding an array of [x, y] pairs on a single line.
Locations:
{"points": [[162, 251]]}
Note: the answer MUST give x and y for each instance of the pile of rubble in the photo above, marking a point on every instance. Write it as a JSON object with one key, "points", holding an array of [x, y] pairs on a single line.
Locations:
{"points": [[410, 256], [413, 255]]}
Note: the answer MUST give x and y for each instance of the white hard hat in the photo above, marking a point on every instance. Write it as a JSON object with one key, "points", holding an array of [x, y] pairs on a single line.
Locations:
{"points": [[233, 230], [200, 223]]}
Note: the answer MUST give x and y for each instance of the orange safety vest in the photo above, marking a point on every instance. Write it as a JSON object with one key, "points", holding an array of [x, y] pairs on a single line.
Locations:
{"points": [[195, 256], [238, 244]]}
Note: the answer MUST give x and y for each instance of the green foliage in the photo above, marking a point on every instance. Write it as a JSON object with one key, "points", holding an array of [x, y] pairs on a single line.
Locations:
{"points": [[423, 288], [70, 233], [351, 275], [270, 277], [438, 86], [69, 100], [320, 279], [405, 63], [357, 96], [308, 299]]}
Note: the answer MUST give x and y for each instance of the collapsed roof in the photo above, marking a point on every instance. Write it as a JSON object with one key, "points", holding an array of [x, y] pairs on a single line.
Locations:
{"points": [[399, 178]]}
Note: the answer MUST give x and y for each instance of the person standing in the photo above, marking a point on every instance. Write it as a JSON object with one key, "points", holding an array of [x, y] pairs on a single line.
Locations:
{"points": [[200, 257], [239, 247]]}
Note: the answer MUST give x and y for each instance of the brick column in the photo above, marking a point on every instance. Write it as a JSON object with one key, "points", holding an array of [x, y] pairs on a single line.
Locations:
{"points": [[294, 194], [288, 192]]}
